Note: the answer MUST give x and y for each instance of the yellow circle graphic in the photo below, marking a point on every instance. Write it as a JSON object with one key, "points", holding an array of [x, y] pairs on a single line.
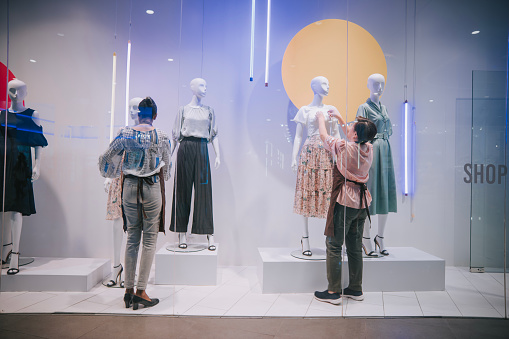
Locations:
{"points": [[321, 49]]}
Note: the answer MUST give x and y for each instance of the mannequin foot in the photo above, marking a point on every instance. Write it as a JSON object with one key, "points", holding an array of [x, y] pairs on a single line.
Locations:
{"points": [[117, 276], [210, 239], [13, 269], [379, 241], [368, 250], [182, 241], [306, 250], [7, 254]]}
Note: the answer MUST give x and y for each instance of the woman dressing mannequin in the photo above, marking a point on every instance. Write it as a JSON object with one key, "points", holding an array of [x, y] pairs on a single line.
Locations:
{"points": [[314, 170], [382, 183], [114, 210], [195, 126], [24, 132]]}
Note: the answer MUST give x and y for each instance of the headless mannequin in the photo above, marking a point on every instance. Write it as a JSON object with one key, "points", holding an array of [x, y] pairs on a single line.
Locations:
{"points": [[14, 220], [118, 229], [376, 86], [199, 88], [320, 87]]}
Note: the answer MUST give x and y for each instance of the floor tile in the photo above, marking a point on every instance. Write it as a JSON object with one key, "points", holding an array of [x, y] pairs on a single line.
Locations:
{"points": [[110, 296], [86, 307], [252, 305], [402, 304], [290, 305], [204, 311], [6, 295], [57, 303], [23, 300], [437, 303], [224, 297], [371, 306]]}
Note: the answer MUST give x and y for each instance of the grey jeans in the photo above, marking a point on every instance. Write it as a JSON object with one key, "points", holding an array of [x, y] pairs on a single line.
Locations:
{"points": [[138, 223], [349, 224]]}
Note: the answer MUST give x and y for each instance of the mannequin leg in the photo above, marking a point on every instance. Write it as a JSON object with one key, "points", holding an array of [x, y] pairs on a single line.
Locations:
{"points": [[379, 238], [366, 240], [16, 220], [7, 240], [210, 240], [182, 240], [306, 250], [118, 235]]}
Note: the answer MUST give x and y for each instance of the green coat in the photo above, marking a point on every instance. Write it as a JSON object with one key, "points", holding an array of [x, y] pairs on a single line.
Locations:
{"points": [[381, 183]]}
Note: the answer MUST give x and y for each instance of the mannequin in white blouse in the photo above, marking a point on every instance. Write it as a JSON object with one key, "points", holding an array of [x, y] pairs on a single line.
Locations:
{"points": [[17, 90], [117, 224], [320, 87], [199, 88]]}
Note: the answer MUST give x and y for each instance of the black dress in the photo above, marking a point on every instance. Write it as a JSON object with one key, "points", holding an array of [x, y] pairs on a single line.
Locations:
{"points": [[22, 134]]}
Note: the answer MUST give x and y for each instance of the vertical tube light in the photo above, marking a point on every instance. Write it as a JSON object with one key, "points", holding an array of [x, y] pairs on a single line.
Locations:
{"points": [[113, 86], [406, 190], [408, 148], [267, 48], [128, 75], [251, 60]]}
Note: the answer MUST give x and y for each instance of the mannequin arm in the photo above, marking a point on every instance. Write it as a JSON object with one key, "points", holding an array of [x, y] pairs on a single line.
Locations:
{"points": [[36, 169], [173, 146], [296, 145], [215, 145]]}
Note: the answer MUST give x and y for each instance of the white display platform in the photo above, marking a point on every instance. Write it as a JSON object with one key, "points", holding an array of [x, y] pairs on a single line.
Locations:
{"points": [[405, 269], [57, 274], [186, 268]]}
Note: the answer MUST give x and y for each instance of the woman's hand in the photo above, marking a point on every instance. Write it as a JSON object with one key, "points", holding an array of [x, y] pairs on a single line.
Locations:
{"points": [[334, 113], [107, 184]]}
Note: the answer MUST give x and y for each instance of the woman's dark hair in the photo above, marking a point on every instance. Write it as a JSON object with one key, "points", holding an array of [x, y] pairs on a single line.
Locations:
{"points": [[366, 130], [143, 106]]}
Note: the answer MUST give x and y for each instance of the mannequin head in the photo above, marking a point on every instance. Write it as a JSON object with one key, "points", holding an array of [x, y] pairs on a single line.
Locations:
{"points": [[198, 87], [17, 90], [133, 109], [148, 111], [320, 86], [376, 85]]}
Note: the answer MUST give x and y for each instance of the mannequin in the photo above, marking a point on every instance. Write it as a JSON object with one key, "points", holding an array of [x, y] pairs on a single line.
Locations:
{"points": [[382, 183], [312, 201], [114, 210], [24, 132], [195, 126]]}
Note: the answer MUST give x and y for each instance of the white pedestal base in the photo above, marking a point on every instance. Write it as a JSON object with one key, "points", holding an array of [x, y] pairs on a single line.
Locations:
{"points": [[57, 274], [190, 268], [405, 269]]}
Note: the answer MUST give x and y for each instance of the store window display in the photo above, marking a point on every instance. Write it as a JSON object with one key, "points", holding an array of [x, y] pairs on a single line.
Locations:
{"points": [[195, 127], [142, 153], [314, 164], [114, 209], [349, 205], [24, 132], [382, 182]]}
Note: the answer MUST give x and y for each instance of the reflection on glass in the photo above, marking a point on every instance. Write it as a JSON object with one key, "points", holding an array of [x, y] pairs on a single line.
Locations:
{"points": [[21, 131]]}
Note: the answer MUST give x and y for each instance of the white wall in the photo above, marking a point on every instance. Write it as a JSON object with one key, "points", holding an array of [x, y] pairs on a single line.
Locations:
{"points": [[70, 84]]}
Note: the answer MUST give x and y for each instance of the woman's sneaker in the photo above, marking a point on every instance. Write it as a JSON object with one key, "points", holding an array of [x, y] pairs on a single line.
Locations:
{"points": [[355, 295], [325, 296]]}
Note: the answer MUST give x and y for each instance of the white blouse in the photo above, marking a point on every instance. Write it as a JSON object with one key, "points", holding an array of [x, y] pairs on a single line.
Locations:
{"points": [[307, 116]]}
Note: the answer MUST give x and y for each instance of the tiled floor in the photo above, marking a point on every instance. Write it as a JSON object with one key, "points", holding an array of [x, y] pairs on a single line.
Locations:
{"points": [[239, 295]]}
